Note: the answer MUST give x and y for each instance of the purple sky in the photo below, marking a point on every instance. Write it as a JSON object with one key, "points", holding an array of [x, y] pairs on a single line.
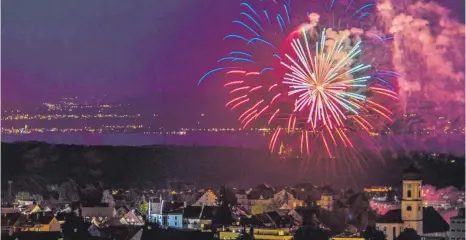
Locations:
{"points": [[123, 48]]}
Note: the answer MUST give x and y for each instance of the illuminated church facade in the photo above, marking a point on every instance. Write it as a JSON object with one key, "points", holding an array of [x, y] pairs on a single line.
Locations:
{"points": [[425, 220]]}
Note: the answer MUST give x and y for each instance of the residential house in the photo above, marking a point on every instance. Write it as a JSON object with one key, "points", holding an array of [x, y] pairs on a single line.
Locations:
{"points": [[307, 192], [88, 213], [261, 195], [30, 209], [326, 200], [95, 231], [130, 218], [207, 199], [457, 226], [175, 218], [241, 197], [158, 212], [426, 221], [119, 232], [205, 220], [121, 211], [287, 200], [191, 217], [37, 222]]}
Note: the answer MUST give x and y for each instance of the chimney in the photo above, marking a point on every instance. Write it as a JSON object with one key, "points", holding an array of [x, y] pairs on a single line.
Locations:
{"points": [[185, 204]]}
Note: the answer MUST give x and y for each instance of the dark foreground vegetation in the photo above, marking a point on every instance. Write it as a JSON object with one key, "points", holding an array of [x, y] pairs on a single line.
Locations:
{"points": [[36, 165]]}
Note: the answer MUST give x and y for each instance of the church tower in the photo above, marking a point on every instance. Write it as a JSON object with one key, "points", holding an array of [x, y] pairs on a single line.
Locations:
{"points": [[411, 202]]}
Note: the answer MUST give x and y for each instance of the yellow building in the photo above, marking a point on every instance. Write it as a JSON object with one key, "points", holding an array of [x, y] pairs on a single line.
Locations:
{"points": [[326, 201], [37, 223], [259, 233], [426, 221]]}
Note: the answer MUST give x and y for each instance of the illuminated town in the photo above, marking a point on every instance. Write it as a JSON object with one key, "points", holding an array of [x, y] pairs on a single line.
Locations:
{"points": [[53, 115]]}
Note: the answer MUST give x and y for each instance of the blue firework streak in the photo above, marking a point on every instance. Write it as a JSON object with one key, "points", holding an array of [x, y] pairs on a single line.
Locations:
{"points": [[258, 22]]}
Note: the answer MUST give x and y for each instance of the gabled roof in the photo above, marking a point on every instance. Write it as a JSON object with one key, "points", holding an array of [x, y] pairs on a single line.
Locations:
{"points": [[261, 193], [192, 212], [239, 191], [263, 186], [392, 216], [432, 220], [305, 186], [121, 211], [31, 220], [253, 220], [98, 211], [169, 207]]}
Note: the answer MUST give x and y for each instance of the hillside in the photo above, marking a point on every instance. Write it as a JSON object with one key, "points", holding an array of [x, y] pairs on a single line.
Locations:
{"points": [[35, 164]]}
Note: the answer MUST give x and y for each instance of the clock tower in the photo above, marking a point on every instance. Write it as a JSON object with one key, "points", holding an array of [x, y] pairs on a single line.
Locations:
{"points": [[411, 202]]}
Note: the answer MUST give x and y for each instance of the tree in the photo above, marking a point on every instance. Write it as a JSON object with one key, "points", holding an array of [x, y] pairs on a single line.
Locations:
{"points": [[68, 191], [91, 194], [223, 216], [143, 207], [108, 198], [306, 233], [257, 209], [371, 233], [408, 234], [230, 196]]}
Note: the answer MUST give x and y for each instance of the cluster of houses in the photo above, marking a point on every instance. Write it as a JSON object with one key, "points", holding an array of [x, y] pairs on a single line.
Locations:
{"points": [[50, 217], [261, 206], [273, 213]]}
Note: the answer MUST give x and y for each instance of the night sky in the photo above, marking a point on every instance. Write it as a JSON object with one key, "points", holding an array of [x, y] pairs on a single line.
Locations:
{"points": [[150, 53], [135, 50]]}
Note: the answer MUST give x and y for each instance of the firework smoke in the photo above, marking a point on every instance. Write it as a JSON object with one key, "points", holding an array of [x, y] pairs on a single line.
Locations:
{"points": [[429, 51]]}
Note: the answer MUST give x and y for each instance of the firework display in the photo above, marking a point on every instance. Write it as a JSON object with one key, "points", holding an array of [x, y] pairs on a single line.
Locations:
{"points": [[305, 80]]}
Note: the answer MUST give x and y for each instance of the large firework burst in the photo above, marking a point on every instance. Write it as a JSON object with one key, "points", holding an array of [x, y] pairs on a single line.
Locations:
{"points": [[303, 83]]}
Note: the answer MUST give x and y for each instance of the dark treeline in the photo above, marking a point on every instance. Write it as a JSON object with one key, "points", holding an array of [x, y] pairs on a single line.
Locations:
{"points": [[33, 165]]}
